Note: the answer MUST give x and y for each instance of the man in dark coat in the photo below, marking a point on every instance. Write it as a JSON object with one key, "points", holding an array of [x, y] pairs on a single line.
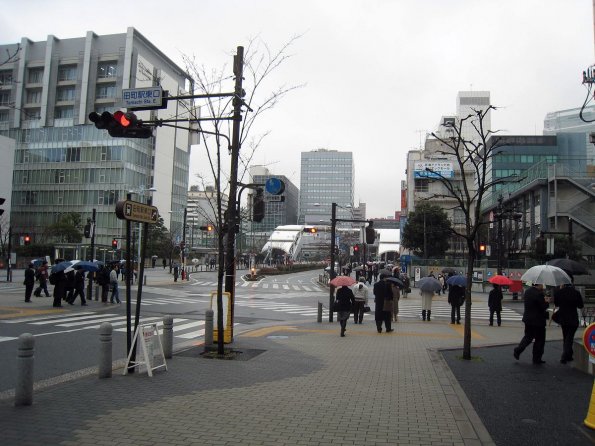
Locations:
{"points": [[495, 304], [58, 279], [79, 288], [568, 299], [29, 282], [456, 297], [535, 319], [382, 292]]}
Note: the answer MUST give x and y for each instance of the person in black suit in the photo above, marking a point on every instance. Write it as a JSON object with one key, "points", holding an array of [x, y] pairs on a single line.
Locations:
{"points": [[568, 300], [534, 318], [29, 282], [382, 292]]}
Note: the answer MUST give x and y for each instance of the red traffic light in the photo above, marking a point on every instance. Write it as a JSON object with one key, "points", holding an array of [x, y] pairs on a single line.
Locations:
{"points": [[356, 248], [27, 239], [115, 244], [482, 248], [122, 118]]}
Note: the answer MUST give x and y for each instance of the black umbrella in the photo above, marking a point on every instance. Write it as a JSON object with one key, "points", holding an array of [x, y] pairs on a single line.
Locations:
{"points": [[570, 266]]}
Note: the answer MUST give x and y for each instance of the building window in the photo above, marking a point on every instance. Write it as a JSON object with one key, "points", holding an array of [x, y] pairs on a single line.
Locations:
{"points": [[73, 154], [67, 73], [60, 175], [64, 112], [107, 70], [4, 116], [106, 91], [32, 114], [5, 78], [421, 185], [4, 97], [33, 96], [65, 94], [35, 75]]}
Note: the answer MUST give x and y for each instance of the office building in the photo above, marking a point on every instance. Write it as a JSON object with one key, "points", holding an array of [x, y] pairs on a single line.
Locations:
{"points": [[569, 121], [63, 164], [327, 176], [468, 103]]}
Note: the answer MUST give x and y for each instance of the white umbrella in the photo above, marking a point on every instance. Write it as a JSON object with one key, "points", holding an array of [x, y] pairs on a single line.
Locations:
{"points": [[546, 275]]}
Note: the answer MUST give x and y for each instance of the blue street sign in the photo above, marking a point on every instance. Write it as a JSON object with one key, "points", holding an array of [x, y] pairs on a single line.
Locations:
{"points": [[274, 186]]}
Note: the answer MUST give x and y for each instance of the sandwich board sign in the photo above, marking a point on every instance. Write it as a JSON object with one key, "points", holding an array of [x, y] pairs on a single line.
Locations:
{"points": [[147, 339]]}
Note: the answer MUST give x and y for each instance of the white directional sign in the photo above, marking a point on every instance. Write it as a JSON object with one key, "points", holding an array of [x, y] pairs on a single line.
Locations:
{"points": [[142, 97], [278, 198]]}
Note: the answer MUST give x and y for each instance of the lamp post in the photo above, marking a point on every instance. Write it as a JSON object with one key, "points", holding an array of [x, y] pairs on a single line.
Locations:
{"points": [[333, 247]]}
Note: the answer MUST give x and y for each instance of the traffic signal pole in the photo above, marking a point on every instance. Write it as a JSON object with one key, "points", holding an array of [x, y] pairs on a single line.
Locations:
{"points": [[230, 261]]}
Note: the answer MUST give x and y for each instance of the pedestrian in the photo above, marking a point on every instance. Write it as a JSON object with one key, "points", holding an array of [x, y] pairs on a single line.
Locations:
{"points": [[103, 280], [29, 282], [442, 283], [426, 305], [164, 263], [360, 293], [375, 272], [406, 285], [370, 274], [382, 300], [495, 305], [113, 278], [153, 261], [456, 297], [58, 279], [69, 286], [568, 300], [79, 288], [396, 292], [534, 317], [344, 302], [176, 271], [42, 275]]}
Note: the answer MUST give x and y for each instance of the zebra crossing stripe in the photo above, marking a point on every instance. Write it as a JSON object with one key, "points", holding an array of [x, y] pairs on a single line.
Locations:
{"points": [[123, 322], [39, 318], [72, 318], [265, 285], [76, 324], [6, 338], [297, 288]]}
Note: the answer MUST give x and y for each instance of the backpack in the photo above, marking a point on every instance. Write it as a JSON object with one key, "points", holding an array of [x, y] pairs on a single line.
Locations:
{"points": [[52, 279]]}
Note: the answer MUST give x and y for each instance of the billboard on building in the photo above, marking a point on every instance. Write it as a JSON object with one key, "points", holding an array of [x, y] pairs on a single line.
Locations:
{"points": [[438, 168]]}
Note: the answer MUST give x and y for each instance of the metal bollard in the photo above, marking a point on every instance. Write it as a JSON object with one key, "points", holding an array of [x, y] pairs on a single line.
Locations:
{"points": [[23, 395], [208, 329], [144, 280], [168, 336], [319, 319], [96, 292], [105, 350]]}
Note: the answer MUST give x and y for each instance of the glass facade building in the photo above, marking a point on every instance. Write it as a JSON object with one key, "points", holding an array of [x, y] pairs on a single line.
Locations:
{"points": [[327, 176], [62, 163]]}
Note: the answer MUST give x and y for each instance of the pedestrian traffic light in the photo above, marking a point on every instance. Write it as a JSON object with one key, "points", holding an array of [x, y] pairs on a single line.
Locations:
{"points": [[356, 249], [27, 239], [482, 249], [88, 229], [2, 200], [121, 125], [115, 243], [370, 233], [258, 206], [208, 228]]}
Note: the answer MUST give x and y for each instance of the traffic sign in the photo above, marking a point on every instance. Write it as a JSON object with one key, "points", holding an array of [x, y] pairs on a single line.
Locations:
{"points": [[135, 211], [144, 98], [274, 186], [278, 198], [589, 339]]}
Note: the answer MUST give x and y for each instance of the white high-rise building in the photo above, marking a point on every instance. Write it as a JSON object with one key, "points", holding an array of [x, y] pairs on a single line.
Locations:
{"points": [[63, 164], [468, 102]]}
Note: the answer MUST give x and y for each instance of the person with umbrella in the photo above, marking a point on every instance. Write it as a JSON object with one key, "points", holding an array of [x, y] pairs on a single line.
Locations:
{"points": [[495, 304], [79, 288], [568, 300], [456, 297], [427, 287], [383, 310], [534, 318], [344, 302], [360, 293]]}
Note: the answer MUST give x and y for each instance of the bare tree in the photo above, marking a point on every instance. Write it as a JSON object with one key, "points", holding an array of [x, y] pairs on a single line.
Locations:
{"points": [[469, 155]]}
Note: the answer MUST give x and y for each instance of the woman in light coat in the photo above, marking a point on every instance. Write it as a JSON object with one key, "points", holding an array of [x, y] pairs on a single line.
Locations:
{"points": [[360, 293], [426, 304]]}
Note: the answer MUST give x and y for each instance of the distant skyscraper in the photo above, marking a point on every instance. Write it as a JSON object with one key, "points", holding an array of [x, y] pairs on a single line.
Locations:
{"points": [[467, 103], [327, 176]]}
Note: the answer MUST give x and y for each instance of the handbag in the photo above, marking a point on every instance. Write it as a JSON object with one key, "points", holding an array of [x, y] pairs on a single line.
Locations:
{"points": [[556, 316], [388, 306], [367, 309]]}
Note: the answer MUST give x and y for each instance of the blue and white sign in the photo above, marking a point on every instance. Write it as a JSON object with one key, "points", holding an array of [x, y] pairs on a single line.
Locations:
{"points": [[142, 97], [433, 169], [274, 186]]}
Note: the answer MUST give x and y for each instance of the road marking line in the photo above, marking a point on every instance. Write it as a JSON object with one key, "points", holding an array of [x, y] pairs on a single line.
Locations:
{"points": [[74, 317], [6, 338]]}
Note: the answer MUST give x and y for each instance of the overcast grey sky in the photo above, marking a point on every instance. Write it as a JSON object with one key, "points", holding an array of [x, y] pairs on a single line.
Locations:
{"points": [[377, 73]]}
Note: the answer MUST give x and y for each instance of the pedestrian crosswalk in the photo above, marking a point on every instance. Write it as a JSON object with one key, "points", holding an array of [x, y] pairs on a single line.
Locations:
{"points": [[183, 328], [412, 309], [284, 307]]}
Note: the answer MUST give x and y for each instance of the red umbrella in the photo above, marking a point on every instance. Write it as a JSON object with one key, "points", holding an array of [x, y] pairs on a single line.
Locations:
{"points": [[342, 281], [500, 280]]}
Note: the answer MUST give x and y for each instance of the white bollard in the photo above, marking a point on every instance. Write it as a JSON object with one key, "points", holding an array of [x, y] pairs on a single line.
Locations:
{"points": [[105, 350], [23, 395]]}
